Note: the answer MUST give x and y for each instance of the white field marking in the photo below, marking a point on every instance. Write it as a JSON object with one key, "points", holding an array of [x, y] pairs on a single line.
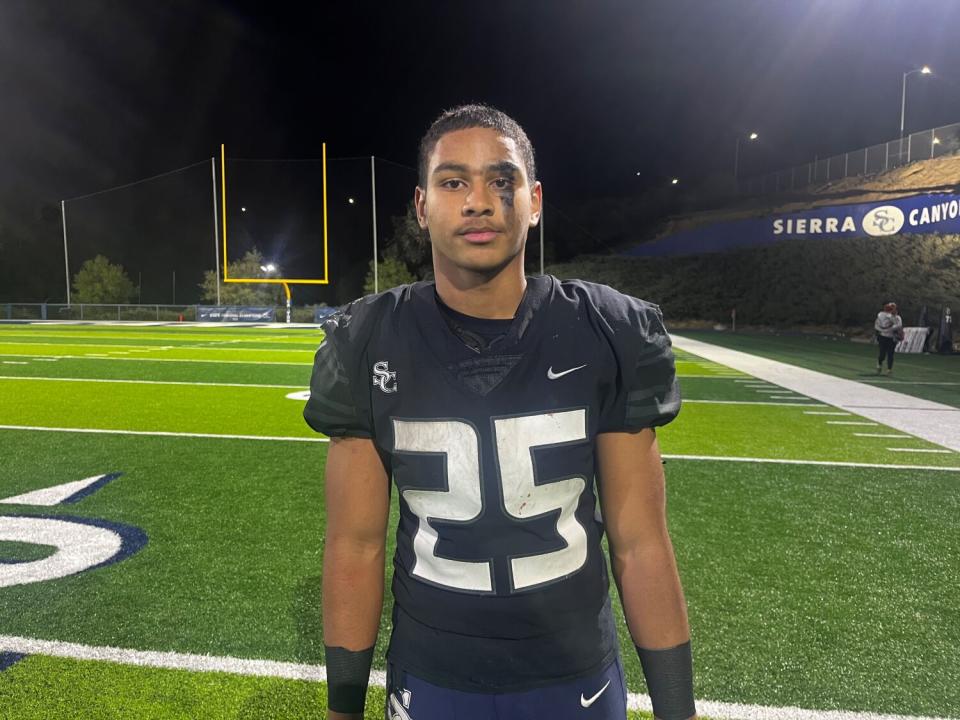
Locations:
{"points": [[14, 362], [149, 382], [44, 359], [50, 496], [849, 422], [79, 546], [771, 391], [826, 463], [921, 450], [154, 359], [828, 412], [882, 435], [151, 348], [98, 355], [303, 395], [750, 380], [712, 376], [910, 382], [378, 678], [756, 402], [786, 397], [160, 433], [119, 352]]}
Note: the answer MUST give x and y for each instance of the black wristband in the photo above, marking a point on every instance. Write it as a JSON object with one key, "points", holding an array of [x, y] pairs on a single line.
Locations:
{"points": [[669, 675], [348, 673]]}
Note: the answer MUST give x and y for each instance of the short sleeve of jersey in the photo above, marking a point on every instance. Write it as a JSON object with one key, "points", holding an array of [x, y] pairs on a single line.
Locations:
{"points": [[335, 408], [646, 393]]}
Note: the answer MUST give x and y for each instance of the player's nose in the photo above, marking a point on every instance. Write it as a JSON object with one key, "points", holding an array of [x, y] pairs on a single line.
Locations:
{"points": [[478, 202]]}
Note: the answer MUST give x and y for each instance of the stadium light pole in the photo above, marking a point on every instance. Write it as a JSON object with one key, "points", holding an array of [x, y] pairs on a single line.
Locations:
{"points": [[216, 228], [925, 70], [66, 260], [373, 205], [736, 154]]}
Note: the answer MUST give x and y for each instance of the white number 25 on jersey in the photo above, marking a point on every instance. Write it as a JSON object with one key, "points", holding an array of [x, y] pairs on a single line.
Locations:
{"points": [[515, 437]]}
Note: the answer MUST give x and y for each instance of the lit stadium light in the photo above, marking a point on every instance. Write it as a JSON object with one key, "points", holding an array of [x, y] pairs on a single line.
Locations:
{"points": [[268, 268], [936, 141], [675, 181], [243, 209], [753, 136], [925, 70], [350, 200], [638, 174]]}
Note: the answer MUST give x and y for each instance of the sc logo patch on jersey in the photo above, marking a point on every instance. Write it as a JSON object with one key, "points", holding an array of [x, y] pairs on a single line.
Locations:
{"points": [[384, 378]]}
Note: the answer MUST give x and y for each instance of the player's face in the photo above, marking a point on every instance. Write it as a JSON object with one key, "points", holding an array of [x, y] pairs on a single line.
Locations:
{"points": [[478, 204]]}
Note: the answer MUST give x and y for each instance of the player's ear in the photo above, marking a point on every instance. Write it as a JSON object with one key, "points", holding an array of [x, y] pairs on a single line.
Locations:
{"points": [[536, 203], [420, 203]]}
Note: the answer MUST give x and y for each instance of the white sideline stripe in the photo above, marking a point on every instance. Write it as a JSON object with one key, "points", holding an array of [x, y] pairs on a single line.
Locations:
{"points": [[910, 382], [154, 359], [161, 433], [14, 362], [821, 412], [149, 382], [920, 450], [828, 463], [849, 422], [880, 435], [756, 402], [378, 678]]}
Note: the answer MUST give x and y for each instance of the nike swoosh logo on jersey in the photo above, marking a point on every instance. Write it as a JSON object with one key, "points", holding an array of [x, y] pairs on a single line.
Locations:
{"points": [[584, 702], [551, 375]]}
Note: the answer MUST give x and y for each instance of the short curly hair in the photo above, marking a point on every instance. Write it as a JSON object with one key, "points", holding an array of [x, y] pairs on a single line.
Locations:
{"points": [[475, 116]]}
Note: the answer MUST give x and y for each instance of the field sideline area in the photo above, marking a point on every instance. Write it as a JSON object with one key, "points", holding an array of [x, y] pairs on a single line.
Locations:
{"points": [[819, 548]]}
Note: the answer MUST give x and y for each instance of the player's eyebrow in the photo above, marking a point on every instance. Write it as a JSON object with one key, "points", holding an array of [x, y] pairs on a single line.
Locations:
{"points": [[451, 167], [504, 168]]}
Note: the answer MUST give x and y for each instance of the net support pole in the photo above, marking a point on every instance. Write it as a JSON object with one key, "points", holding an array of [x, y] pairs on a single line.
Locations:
{"points": [[541, 237], [216, 227], [66, 259], [373, 205], [287, 290]]}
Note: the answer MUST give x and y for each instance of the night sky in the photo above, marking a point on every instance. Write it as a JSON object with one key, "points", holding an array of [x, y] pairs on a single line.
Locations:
{"points": [[95, 94]]}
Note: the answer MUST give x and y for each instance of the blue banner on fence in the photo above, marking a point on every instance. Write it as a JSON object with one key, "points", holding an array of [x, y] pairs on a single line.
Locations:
{"points": [[938, 214], [234, 313]]}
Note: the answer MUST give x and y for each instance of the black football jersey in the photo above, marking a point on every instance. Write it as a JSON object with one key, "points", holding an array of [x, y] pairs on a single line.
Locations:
{"points": [[500, 583]]}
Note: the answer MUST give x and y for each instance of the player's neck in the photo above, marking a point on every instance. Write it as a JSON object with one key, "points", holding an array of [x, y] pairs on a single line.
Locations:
{"points": [[495, 296]]}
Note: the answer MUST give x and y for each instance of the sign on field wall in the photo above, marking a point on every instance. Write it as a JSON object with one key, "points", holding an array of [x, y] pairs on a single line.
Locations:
{"points": [[939, 214]]}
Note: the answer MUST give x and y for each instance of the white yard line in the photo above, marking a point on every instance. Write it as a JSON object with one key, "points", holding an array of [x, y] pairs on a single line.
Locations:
{"points": [[825, 463], [14, 362], [155, 359], [920, 450], [849, 422], [318, 673], [881, 435], [825, 412], [755, 402], [160, 433], [895, 410], [150, 382]]}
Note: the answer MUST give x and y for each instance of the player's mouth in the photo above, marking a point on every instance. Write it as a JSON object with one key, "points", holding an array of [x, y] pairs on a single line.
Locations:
{"points": [[479, 234]]}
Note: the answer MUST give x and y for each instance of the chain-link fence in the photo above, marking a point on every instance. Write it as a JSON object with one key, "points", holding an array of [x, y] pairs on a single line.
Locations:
{"points": [[923, 145]]}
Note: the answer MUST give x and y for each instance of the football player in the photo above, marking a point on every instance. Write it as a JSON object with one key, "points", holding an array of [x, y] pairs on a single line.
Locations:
{"points": [[514, 416]]}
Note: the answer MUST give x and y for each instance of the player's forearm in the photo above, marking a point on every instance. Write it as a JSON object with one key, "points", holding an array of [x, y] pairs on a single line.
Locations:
{"points": [[652, 596], [352, 593]]}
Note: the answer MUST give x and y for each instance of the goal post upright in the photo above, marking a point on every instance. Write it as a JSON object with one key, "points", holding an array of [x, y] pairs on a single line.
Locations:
{"points": [[325, 280]]}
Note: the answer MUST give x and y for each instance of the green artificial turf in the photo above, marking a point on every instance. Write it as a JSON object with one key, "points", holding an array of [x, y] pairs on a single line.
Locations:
{"points": [[931, 377], [810, 586]]}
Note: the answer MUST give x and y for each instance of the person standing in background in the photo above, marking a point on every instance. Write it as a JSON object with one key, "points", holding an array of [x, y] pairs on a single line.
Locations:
{"points": [[889, 329]]}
